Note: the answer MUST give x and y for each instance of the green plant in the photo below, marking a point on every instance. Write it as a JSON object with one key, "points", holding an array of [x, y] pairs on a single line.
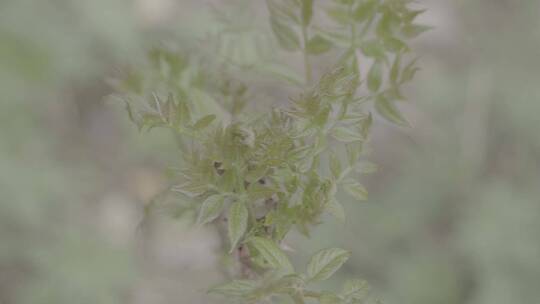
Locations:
{"points": [[257, 176]]}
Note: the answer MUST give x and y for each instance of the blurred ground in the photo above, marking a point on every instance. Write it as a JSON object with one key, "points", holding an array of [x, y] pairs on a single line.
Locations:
{"points": [[454, 211]]}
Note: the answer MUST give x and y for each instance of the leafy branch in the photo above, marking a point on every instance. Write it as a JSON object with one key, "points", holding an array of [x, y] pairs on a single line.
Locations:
{"points": [[281, 170]]}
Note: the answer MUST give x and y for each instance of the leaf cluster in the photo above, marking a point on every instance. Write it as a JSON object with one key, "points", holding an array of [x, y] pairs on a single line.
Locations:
{"points": [[267, 174]]}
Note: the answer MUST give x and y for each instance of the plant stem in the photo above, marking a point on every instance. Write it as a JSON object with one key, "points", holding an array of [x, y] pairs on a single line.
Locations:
{"points": [[307, 65]]}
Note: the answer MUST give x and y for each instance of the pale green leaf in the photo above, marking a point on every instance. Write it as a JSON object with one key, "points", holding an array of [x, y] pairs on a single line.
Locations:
{"points": [[373, 48], [204, 122], [389, 111], [355, 289], [271, 253], [282, 72], [345, 134], [356, 190], [335, 165], [413, 30], [287, 37], [237, 222], [330, 298], [394, 71], [325, 263], [210, 209], [336, 209], [365, 10], [236, 288], [375, 76]]}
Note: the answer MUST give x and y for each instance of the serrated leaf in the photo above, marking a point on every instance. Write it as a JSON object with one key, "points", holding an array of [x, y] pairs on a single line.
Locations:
{"points": [[272, 254], [318, 45], [210, 209], [389, 111], [356, 190], [365, 10], [236, 288], [237, 222], [204, 122], [287, 37], [355, 289], [345, 134], [374, 80], [307, 12], [325, 263]]}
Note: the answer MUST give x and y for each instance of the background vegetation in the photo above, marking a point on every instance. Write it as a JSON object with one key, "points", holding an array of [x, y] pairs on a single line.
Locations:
{"points": [[453, 214]]}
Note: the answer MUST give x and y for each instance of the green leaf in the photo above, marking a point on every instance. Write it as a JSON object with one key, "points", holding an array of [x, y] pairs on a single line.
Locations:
{"points": [[365, 10], [346, 134], [373, 48], [414, 30], [236, 288], [282, 72], [325, 263], [339, 15], [336, 209], [356, 190], [355, 289], [394, 45], [389, 111], [375, 76], [318, 45], [409, 71], [204, 122], [335, 165], [329, 298], [287, 37], [210, 209], [271, 253], [307, 11], [394, 71], [237, 222]]}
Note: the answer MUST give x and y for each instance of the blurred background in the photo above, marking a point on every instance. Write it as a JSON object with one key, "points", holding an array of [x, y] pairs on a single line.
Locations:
{"points": [[454, 210]]}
